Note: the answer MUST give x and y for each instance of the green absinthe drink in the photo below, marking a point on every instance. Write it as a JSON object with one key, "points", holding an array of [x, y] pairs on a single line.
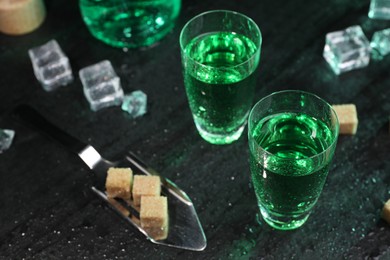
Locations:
{"points": [[220, 93], [220, 52], [290, 155], [129, 23]]}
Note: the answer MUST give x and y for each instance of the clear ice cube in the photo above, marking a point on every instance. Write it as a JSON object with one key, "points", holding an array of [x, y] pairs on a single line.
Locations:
{"points": [[379, 9], [101, 85], [51, 66], [6, 137], [347, 49], [380, 44], [135, 103]]}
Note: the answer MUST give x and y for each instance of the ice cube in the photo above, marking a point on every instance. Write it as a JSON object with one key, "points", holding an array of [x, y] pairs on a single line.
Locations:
{"points": [[51, 66], [379, 9], [380, 43], [135, 103], [347, 49], [102, 87], [6, 137]]}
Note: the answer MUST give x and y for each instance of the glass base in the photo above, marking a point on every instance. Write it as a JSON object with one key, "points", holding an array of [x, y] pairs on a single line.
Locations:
{"points": [[284, 222], [220, 138]]}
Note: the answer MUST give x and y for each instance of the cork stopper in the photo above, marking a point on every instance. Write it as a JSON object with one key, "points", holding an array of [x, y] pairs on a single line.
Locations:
{"points": [[21, 16]]}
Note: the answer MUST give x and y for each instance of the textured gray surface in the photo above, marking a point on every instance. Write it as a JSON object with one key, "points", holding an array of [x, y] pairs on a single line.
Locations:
{"points": [[47, 210]]}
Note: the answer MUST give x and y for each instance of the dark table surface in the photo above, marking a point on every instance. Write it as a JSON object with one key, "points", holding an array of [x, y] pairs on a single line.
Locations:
{"points": [[48, 211]]}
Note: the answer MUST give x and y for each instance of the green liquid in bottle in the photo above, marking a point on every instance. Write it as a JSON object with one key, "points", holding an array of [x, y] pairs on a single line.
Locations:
{"points": [[134, 23]]}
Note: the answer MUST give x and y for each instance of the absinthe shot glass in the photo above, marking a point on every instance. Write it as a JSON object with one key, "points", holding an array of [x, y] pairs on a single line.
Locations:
{"points": [[292, 139], [220, 52]]}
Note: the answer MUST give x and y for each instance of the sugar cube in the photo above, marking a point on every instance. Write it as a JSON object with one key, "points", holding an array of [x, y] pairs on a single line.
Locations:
{"points": [[386, 211], [347, 116], [118, 183], [154, 216], [145, 186]]}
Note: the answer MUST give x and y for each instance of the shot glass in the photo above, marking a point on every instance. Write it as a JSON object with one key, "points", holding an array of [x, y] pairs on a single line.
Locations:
{"points": [[292, 139], [220, 51]]}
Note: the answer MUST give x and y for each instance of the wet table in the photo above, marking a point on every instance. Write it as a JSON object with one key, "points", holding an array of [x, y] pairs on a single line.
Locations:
{"points": [[48, 211]]}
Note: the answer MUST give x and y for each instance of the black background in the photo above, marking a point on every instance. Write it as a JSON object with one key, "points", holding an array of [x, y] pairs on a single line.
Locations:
{"points": [[48, 211]]}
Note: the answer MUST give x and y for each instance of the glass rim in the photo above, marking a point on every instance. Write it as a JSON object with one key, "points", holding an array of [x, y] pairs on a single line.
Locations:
{"points": [[258, 43], [336, 132]]}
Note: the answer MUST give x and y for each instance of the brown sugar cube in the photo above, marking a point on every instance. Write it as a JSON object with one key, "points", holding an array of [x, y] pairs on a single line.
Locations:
{"points": [[386, 211], [21, 16], [347, 115], [118, 183], [154, 216], [154, 211], [145, 186]]}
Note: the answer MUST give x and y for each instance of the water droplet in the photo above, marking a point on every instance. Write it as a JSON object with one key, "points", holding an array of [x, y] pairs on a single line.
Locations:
{"points": [[232, 178]]}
